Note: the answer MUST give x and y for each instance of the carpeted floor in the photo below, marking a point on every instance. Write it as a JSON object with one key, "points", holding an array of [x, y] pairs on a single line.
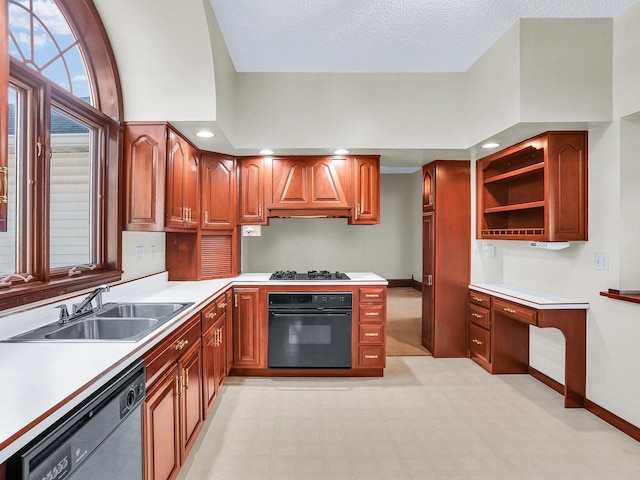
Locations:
{"points": [[404, 322]]}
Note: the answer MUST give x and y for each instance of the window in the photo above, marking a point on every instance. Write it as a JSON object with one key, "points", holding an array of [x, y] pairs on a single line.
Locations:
{"points": [[59, 168]]}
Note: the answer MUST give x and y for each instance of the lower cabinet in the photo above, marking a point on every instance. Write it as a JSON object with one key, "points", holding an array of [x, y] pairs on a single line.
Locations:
{"points": [[214, 358], [371, 327], [247, 328], [173, 412]]}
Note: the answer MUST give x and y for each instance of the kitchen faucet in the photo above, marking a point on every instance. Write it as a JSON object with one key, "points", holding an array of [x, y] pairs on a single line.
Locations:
{"points": [[85, 306]]}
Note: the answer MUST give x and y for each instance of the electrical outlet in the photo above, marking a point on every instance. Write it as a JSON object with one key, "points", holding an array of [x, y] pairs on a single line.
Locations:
{"points": [[489, 251], [477, 247], [153, 251], [139, 252], [602, 261]]}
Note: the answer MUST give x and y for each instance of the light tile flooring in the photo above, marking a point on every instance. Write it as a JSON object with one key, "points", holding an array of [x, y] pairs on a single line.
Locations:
{"points": [[426, 419]]}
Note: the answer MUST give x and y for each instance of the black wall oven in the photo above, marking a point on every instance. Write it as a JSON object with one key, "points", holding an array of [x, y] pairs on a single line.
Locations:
{"points": [[310, 330]]}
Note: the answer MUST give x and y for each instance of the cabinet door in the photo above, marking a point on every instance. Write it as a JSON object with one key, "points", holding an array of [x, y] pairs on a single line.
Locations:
{"points": [[428, 258], [229, 329], [176, 159], [428, 187], [290, 183], [161, 433], [366, 197], [218, 192], [145, 151], [191, 188], [221, 354], [247, 328], [209, 368], [252, 188], [330, 182], [190, 366]]}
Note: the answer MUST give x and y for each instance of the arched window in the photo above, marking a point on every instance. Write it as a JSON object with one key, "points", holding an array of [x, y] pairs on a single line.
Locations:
{"points": [[60, 137]]}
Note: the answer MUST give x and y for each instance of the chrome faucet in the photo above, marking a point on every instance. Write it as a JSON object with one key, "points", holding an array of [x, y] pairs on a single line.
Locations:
{"points": [[85, 305]]}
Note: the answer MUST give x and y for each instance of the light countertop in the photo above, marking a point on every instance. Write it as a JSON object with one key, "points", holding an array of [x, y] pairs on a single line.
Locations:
{"points": [[530, 298], [42, 381]]}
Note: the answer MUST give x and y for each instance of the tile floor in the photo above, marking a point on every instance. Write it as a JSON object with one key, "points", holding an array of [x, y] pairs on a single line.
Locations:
{"points": [[426, 419]]}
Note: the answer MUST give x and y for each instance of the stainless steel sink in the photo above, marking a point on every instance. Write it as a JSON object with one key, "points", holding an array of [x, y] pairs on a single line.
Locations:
{"points": [[116, 322], [105, 329]]}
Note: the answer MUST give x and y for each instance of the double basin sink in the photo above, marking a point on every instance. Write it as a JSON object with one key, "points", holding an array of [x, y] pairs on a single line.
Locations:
{"points": [[116, 322]]}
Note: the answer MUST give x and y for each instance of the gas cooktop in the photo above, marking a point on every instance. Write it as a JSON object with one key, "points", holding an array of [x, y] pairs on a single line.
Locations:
{"points": [[310, 275]]}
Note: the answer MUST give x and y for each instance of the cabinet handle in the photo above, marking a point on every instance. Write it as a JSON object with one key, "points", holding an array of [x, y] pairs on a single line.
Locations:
{"points": [[476, 299], [370, 356], [177, 379], [429, 280], [260, 211], [236, 300], [477, 315], [221, 333], [371, 314], [215, 334], [358, 210], [4, 198], [211, 315], [372, 295], [223, 305], [476, 341], [371, 334], [180, 344], [186, 378], [206, 216], [510, 310], [189, 214]]}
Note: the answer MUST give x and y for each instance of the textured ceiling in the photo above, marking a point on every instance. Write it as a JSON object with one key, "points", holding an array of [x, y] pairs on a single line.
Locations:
{"points": [[380, 35]]}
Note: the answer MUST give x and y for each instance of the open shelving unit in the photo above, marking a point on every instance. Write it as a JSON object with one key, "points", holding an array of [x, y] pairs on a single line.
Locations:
{"points": [[535, 190]]}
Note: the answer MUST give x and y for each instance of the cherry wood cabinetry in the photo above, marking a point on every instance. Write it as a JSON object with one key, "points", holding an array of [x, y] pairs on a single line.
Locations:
{"points": [[480, 328], [145, 158], [249, 335], [445, 257], [366, 191], [371, 331], [251, 198], [203, 255], [535, 190], [214, 349], [173, 411], [182, 184], [218, 192]]}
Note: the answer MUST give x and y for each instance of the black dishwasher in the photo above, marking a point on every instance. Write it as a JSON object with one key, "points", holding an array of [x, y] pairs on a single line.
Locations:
{"points": [[101, 439]]}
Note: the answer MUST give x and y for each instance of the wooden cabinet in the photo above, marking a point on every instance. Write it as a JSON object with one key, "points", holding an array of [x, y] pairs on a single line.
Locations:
{"points": [[249, 336], [535, 190], [173, 411], [183, 199], [371, 328], [310, 183], [251, 199], [229, 328], [366, 191], [145, 157], [480, 328], [446, 248], [203, 255], [214, 349], [218, 189]]}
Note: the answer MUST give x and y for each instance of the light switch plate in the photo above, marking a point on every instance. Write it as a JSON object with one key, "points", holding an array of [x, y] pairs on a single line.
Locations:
{"points": [[477, 247], [602, 261], [489, 251]]}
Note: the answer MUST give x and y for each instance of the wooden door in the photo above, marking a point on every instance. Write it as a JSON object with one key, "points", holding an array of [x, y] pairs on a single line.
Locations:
{"points": [[221, 354], [246, 328], [428, 261], [190, 367], [191, 188], [428, 187], [161, 431], [290, 183], [145, 151], [366, 197], [176, 159], [218, 192], [330, 182], [209, 368], [252, 188]]}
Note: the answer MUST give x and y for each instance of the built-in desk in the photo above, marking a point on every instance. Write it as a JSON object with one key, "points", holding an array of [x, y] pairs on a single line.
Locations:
{"points": [[499, 320]]}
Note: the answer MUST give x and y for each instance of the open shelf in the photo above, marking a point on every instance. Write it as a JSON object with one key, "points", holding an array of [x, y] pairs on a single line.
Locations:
{"points": [[520, 172], [516, 207]]}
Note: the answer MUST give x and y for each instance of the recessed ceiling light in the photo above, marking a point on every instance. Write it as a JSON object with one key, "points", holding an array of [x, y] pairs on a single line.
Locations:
{"points": [[266, 151], [341, 151], [490, 145], [205, 134]]}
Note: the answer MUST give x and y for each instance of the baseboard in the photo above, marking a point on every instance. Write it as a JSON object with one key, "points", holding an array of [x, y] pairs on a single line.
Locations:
{"points": [[612, 419], [604, 414], [405, 282]]}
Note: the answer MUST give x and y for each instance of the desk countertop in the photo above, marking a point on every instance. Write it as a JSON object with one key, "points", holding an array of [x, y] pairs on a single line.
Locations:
{"points": [[530, 298]]}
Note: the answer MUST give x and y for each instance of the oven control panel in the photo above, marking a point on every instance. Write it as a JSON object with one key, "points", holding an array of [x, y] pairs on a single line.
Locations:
{"points": [[311, 300]]}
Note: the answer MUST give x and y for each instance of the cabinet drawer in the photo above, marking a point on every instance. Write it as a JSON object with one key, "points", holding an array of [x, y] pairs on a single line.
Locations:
{"points": [[371, 334], [371, 357], [515, 311], [479, 315], [214, 311], [372, 294], [371, 313], [479, 342], [481, 299], [172, 348]]}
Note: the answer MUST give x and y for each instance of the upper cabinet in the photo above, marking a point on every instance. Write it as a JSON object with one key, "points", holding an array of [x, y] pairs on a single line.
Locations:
{"points": [[251, 198], [366, 191], [310, 183], [218, 192], [535, 190], [161, 172]]}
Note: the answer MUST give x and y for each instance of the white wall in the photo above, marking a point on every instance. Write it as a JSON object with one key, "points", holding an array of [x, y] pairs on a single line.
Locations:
{"points": [[416, 225], [331, 244], [152, 259]]}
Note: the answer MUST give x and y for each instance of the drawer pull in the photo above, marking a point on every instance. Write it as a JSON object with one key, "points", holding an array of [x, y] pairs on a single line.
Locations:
{"points": [[476, 299], [372, 295], [476, 341], [180, 345], [223, 305], [477, 315], [371, 314], [211, 315], [510, 310], [371, 334], [371, 356]]}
